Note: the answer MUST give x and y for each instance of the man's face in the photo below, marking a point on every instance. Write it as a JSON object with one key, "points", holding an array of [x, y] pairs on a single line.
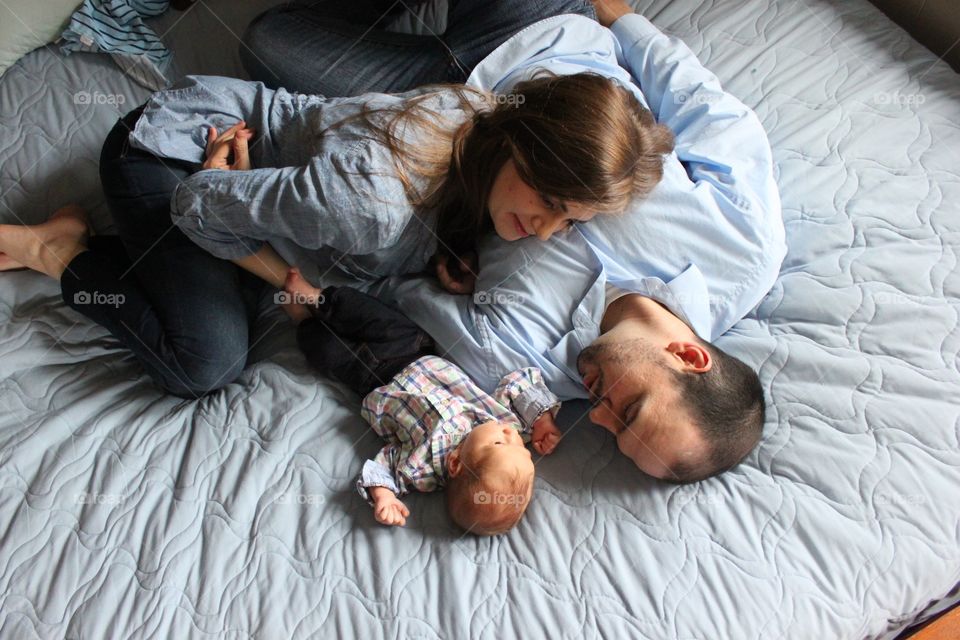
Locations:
{"points": [[629, 372]]}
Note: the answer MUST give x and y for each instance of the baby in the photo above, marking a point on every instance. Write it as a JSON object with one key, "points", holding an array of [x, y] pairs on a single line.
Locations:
{"points": [[441, 429], [444, 431]]}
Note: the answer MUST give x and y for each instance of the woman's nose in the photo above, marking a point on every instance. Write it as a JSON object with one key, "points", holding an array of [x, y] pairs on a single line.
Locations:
{"points": [[545, 227]]}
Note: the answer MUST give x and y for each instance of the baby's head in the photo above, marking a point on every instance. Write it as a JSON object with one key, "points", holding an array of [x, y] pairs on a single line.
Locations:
{"points": [[490, 479]]}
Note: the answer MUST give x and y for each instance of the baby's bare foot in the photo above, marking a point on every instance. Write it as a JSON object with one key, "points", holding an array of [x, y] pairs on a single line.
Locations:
{"points": [[48, 247]]}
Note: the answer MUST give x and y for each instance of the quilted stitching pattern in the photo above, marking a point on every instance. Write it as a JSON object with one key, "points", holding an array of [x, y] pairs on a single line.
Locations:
{"points": [[126, 513]]}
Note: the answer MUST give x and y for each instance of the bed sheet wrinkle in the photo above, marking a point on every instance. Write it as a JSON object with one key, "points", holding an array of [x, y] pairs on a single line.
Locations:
{"points": [[133, 514]]}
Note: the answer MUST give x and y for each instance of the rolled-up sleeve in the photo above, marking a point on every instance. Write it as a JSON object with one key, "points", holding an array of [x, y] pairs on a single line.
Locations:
{"points": [[525, 392], [375, 474], [348, 200], [719, 139]]}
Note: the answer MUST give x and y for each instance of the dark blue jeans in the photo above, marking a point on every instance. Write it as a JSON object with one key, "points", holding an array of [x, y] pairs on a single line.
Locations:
{"points": [[359, 340], [184, 313], [337, 48]]}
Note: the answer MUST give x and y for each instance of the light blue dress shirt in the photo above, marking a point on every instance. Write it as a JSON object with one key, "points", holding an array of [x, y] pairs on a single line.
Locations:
{"points": [[707, 243]]}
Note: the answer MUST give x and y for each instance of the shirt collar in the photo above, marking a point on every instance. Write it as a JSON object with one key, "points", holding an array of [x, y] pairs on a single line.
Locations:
{"points": [[561, 44], [686, 296]]}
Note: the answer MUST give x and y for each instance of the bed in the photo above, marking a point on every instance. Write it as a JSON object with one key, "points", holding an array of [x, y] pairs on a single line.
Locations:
{"points": [[127, 513]]}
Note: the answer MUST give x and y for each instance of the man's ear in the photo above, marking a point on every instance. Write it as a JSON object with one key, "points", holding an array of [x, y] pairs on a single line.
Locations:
{"points": [[454, 464], [693, 356]]}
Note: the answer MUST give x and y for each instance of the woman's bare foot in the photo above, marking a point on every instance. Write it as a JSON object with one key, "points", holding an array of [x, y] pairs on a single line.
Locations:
{"points": [[48, 247], [9, 264]]}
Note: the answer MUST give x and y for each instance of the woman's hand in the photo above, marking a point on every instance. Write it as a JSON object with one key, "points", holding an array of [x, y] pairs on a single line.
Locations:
{"points": [[232, 143], [300, 296], [609, 11], [458, 277]]}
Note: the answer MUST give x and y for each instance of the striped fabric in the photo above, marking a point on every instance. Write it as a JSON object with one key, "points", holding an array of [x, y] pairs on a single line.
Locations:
{"points": [[116, 27]]}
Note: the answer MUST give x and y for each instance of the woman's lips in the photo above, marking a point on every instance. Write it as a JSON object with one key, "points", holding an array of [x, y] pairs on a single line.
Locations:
{"points": [[523, 232]]}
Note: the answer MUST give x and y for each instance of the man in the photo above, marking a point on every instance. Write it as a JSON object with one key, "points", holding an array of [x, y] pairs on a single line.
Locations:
{"points": [[706, 245]]}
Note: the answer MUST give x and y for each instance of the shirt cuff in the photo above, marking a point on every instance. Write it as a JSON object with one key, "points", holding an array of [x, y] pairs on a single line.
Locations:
{"points": [[632, 28], [534, 402], [223, 244], [375, 474]]}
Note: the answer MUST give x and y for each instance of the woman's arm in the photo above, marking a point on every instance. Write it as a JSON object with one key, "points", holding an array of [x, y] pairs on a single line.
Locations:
{"points": [[341, 200], [265, 263]]}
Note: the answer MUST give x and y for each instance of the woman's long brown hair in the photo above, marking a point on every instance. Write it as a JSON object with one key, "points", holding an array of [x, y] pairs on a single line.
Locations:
{"points": [[577, 138]]}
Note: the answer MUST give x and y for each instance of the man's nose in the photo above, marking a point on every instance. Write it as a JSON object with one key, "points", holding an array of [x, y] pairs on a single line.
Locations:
{"points": [[601, 415]]}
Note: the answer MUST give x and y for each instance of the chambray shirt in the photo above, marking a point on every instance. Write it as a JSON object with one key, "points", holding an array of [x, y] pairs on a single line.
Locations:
{"points": [[325, 201], [707, 243], [429, 408]]}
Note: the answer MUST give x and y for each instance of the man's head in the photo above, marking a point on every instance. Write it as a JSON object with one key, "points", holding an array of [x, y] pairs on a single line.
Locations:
{"points": [[680, 408]]}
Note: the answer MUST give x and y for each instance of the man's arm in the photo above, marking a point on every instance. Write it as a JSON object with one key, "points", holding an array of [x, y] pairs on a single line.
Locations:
{"points": [[609, 11], [719, 139], [718, 206]]}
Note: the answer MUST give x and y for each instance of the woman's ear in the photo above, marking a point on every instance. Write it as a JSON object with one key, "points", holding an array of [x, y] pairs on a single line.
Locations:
{"points": [[693, 356]]}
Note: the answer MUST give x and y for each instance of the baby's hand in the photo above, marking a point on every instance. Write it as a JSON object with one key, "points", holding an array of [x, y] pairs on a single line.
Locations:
{"points": [[546, 435], [388, 509]]}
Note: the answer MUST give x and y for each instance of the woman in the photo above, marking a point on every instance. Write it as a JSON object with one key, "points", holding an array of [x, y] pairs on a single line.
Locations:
{"points": [[388, 181]]}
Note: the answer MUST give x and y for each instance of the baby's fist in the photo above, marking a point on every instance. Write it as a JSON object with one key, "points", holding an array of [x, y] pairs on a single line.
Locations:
{"points": [[546, 435], [390, 511]]}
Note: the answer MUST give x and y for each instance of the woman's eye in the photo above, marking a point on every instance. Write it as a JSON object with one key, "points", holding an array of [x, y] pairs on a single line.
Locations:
{"points": [[547, 202]]}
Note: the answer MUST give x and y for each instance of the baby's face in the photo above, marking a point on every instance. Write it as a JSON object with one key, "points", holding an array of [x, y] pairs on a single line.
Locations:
{"points": [[502, 441]]}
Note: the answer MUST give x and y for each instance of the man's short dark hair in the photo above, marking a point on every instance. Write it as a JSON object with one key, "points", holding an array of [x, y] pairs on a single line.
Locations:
{"points": [[727, 405]]}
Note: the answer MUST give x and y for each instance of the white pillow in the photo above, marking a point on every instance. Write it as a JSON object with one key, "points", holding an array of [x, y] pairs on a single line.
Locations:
{"points": [[28, 24]]}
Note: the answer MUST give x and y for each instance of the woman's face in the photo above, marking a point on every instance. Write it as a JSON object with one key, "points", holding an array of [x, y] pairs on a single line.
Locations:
{"points": [[519, 211]]}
